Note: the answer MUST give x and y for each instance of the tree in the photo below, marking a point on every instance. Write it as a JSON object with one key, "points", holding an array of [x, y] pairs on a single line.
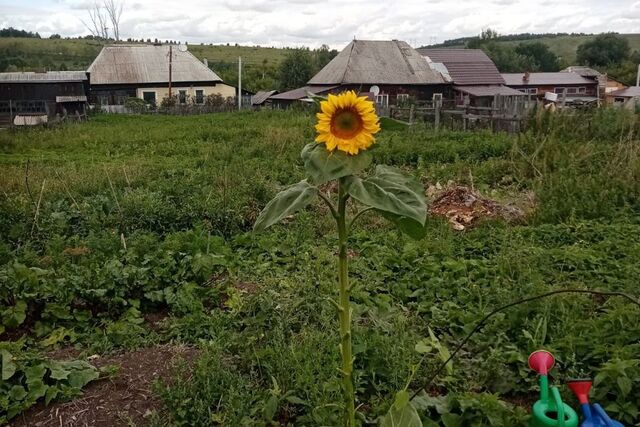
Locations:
{"points": [[296, 69], [539, 55], [114, 12], [506, 58], [323, 56], [55, 36], [97, 24], [603, 50]]}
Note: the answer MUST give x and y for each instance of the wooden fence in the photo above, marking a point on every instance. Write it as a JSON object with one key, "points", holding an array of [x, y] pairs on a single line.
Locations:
{"points": [[506, 113]]}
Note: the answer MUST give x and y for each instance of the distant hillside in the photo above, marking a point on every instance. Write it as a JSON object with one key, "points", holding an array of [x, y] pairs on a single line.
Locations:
{"points": [[33, 54], [563, 45]]}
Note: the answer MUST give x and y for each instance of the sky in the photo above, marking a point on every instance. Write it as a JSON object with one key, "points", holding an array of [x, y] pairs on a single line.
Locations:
{"points": [[312, 23]]}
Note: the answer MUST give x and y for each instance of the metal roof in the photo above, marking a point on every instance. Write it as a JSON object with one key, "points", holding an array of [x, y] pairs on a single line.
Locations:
{"points": [[630, 92], [135, 64], [49, 76], [465, 66], [261, 96], [546, 79], [302, 92], [488, 90], [582, 70], [377, 62]]}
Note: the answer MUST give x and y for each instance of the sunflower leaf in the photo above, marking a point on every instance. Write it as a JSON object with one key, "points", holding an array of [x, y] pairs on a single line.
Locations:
{"points": [[397, 196], [323, 166], [286, 202]]}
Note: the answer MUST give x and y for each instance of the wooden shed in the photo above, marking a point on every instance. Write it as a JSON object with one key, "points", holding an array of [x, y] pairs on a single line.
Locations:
{"points": [[43, 97]]}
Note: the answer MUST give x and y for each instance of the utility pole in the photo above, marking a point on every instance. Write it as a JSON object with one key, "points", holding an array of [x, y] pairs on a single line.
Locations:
{"points": [[239, 83], [170, 65]]}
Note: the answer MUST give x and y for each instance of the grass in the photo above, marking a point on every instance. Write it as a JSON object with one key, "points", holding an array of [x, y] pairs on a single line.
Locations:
{"points": [[183, 192]]}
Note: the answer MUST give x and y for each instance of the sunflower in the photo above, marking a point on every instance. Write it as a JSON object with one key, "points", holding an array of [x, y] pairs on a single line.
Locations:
{"points": [[347, 122]]}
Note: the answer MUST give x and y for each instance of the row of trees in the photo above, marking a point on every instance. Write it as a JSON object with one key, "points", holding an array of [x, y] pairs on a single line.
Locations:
{"points": [[608, 53], [14, 32]]}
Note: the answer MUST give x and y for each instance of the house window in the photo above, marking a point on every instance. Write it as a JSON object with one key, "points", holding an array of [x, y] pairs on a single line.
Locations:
{"points": [[618, 100], [149, 97], [182, 96], [572, 90], [199, 96], [403, 97], [382, 100], [533, 90], [582, 90], [558, 90]]}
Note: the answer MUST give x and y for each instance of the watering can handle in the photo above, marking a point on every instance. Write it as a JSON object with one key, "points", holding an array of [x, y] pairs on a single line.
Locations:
{"points": [[559, 405], [598, 409]]}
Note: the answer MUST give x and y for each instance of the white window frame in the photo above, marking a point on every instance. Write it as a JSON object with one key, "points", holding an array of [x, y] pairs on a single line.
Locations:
{"points": [[402, 97], [572, 91], [382, 99], [582, 90], [533, 90], [558, 90]]}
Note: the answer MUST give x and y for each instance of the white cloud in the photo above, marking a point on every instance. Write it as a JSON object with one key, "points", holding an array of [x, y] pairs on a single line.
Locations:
{"points": [[334, 22]]}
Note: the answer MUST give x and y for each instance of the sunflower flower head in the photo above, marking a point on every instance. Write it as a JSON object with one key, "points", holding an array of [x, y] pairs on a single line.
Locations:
{"points": [[347, 123]]}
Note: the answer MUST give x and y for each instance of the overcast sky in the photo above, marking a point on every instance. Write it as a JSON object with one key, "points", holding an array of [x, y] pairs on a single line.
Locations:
{"points": [[333, 22]]}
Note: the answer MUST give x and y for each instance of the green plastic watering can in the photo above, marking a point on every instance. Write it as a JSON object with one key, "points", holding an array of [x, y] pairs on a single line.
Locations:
{"points": [[549, 411]]}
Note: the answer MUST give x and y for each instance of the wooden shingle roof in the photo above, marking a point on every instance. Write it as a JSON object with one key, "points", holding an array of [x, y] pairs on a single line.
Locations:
{"points": [[377, 62], [135, 64]]}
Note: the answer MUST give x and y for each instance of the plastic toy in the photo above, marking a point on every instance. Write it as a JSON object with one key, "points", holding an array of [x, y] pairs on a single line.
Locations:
{"points": [[594, 415], [549, 412]]}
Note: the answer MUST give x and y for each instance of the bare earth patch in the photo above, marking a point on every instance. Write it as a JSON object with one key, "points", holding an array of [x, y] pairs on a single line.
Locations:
{"points": [[119, 401], [464, 207]]}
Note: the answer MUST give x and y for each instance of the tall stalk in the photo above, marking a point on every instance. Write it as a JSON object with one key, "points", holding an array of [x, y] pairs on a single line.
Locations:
{"points": [[344, 309]]}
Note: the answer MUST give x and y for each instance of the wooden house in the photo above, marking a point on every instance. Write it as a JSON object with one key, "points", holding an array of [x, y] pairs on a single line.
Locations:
{"points": [[391, 70], [578, 89], [475, 78], [32, 98], [147, 71], [628, 98], [606, 83]]}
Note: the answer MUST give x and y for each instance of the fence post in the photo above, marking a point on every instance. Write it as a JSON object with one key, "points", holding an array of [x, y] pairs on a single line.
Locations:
{"points": [[411, 113]]}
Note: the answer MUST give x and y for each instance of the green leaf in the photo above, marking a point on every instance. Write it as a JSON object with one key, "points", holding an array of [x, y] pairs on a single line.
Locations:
{"points": [[8, 367], [81, 378], [286, 202], [404, 416], [270, 408], [625, 385], [17, 392], [14, 316], [398, 197], [51, 394], [323, 166], [58, 372]]}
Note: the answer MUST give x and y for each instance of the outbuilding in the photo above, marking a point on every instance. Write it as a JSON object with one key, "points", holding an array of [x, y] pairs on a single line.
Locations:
{"points": [[35, 98]]}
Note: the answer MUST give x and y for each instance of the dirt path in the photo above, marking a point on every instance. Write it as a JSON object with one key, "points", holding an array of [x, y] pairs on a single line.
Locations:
{"points": [[122, 400]]}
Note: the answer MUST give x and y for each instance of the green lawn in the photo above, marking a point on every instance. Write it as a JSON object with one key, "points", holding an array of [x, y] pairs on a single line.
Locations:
{"points": [[106, 222]]}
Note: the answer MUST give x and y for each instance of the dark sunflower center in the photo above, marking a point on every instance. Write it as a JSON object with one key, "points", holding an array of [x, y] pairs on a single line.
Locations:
{"points": [[346, 123]]}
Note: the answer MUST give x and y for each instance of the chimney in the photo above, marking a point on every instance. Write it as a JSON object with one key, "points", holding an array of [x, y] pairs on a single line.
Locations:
{"points": [[205, 62], [525, 77]]}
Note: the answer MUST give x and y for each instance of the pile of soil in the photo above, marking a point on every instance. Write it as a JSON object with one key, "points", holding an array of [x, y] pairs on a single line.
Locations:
{"points": [[464, 207], [126, 399]]}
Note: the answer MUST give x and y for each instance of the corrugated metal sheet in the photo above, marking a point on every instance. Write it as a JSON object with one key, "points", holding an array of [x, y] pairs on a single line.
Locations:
{"points": [[488, 90], [49, 76], [629, 92], [302, 92], [465, 66], [377, 62], [545, 79], [261, 96], [147, 64]]}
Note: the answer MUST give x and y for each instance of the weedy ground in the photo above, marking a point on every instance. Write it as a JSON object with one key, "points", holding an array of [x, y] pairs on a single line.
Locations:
{"points": [[126, 233]]}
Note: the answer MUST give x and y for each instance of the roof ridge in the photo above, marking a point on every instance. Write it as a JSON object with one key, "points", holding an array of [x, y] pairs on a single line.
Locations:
{"points": [[346, 68]]}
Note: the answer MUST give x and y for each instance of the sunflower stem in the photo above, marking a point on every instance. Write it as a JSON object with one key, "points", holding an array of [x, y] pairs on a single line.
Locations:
{"points": [[344, 314]]}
